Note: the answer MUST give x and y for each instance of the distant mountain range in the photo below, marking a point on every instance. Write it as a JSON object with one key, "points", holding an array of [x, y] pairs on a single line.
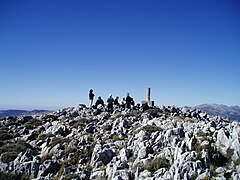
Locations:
{"points": [[231, 112], [11, 112]]}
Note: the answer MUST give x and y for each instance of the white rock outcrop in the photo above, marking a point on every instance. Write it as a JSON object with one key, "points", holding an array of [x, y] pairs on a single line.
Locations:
{"points": [[83, 143]]}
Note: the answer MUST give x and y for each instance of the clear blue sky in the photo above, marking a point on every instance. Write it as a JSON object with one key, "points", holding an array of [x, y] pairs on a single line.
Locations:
{"points": [[53, 51]]}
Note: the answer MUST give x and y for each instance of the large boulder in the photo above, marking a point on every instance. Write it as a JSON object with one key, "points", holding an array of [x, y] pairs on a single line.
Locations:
{"points": [[58, 129], [101, 156]]}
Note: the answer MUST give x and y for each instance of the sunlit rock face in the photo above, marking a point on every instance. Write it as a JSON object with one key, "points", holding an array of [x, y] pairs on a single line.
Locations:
{"points": [[138, 143]]}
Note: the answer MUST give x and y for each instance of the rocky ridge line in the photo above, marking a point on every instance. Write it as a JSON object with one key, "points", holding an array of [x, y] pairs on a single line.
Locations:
{"points": [[82, 143]]}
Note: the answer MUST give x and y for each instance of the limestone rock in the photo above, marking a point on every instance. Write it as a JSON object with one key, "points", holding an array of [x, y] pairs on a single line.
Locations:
{"points": [[101, 156], [164, 142]]}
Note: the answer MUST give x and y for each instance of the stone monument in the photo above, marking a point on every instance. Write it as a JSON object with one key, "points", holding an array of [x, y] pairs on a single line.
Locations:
{"points": [[148, 100]]}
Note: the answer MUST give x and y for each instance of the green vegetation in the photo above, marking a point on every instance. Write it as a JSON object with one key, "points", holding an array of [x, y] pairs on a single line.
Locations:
{"points": [[33, 123], [155, 113], [25, 177], [191, 120], [44, 136], [90, 139], [65, 118], [213, 168], [8, 156], [4, 135], [217, 159], [206, 178], [116, 137], [151, 128], [157, 163], [76, 155], [197, 146], [147, 128], [132, 114], [10, 176], [107, 127], [11, 150], [237, 162], [81, 122], [179, 118], [46, 157], [60, 171], [6, 176], [200, 133], [229, 153], [185, 119], [58, 140], [34, 136]]}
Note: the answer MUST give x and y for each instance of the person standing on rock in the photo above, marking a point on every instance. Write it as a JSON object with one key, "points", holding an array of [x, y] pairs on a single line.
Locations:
{"points": [[116, 103], [91, 96], [123, 102], [110, 102], [129, 101]]}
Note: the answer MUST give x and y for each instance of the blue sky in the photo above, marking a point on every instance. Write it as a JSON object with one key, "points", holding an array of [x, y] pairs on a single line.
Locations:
{"points": [[53, 52]]}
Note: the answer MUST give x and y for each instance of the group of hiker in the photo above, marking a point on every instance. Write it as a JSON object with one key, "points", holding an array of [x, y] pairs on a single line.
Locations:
{"points": [[126, 102]]}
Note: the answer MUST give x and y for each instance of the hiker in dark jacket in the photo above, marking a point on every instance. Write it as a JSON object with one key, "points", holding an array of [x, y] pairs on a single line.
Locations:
{"points": [[110, 102], [99, 102], [116, 101], [129, 101], [91, 96]]}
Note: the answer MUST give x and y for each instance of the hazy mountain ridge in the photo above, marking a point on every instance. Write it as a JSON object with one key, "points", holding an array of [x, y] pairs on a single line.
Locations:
{"points": [[231, 112], [16, 112]]}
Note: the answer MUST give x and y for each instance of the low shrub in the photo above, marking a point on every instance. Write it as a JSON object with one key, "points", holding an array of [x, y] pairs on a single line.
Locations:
{"points": [[213, 168], [217, 159], [81, 122], [25, 176], [44, 136], [154, 113], [46, 157], [4, 135], [76, 155], [197, 147], [90, 138], [6, 176], [116, 137], [178, 118], [8, 156], [151, 128], [155, 164], [70, 176], [60, 171], [107, 127], [132, 114], [147, 128], [32, 123], [237, 162], [33, 136], [11, 150], [58, 140], [191, 120], [229, 153]]}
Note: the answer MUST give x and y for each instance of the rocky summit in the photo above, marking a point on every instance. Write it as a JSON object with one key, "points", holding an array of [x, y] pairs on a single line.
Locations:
{"points": [[155, 143]]}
